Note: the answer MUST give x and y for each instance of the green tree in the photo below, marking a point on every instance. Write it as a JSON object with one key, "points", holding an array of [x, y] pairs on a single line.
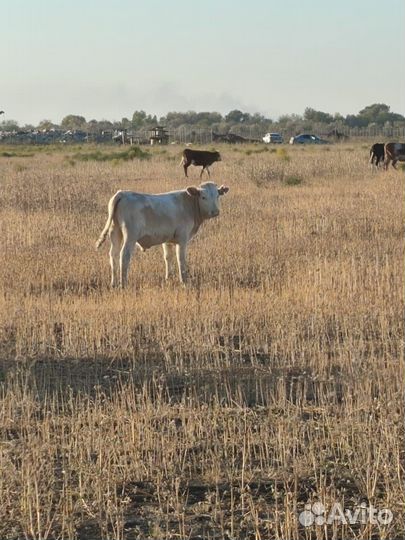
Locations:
{"points": [[353, 120], [371, 112], [46, 124], [377, 113], [176, 119], [292, 123], [92, 126], [338, 118], [207, 119], [9, 125], [138, 119], [312, 115], [258, 118], [105, 125], [126, 123], [73, 121], [235, 117]]}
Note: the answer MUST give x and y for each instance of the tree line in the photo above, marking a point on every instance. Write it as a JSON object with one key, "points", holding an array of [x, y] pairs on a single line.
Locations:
{"points": [[377, 114]]}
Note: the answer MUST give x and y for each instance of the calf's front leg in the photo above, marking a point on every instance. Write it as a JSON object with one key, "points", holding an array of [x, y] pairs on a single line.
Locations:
{"points": [[181, 261], [167, 255]]}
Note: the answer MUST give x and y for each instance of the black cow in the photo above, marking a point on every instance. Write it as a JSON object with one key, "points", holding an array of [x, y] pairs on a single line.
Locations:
{"points": [[201, 158], [377, 154]]}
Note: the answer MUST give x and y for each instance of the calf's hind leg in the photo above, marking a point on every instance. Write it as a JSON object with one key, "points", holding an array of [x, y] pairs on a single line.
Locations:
{"points": [[115, 248], [125, 258]]}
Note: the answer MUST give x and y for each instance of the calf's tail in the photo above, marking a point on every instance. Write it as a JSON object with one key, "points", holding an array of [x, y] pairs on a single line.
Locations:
{"points": [[111, 208]]}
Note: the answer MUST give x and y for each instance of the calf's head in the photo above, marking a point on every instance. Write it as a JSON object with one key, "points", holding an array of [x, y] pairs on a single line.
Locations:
{"points": [[207, 195]]}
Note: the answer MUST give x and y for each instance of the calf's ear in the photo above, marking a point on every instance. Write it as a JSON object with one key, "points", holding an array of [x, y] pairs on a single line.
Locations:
{"points": [[193, 191], [223, 189]]}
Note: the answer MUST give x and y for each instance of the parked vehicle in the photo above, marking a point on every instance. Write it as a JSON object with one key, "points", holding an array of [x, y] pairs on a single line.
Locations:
{"points": [[307, 138], [275, 138]]}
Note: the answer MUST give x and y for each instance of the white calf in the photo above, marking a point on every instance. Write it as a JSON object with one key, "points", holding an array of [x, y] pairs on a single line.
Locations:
{"points": [[148, 220]]}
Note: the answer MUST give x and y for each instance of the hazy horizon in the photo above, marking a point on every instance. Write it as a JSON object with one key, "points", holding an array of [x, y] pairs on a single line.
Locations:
{"points": [[101, 61]]}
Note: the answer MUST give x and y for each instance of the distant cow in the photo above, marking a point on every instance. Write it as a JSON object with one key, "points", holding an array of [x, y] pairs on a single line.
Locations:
{"points": [[138, 219], [394, 152], [199, 158], [377, 153]]}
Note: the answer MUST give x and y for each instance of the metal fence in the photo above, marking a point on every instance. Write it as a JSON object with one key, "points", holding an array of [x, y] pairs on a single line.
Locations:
{"points": [[192, 135]]}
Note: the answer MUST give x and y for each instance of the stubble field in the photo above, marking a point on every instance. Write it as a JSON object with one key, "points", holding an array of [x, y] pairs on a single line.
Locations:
{"points": [[219, 410]]}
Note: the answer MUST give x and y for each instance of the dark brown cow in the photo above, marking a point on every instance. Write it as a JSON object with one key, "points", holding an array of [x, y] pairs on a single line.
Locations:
{"points": [[377, 153], [394, 152], [201, 158]]}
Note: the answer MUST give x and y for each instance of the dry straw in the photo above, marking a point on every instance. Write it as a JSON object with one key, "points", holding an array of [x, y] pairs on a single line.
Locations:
{"points": [[276, 377]]}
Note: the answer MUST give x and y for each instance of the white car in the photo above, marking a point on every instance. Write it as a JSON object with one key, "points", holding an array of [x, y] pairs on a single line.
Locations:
{"points": [[275, 138]]}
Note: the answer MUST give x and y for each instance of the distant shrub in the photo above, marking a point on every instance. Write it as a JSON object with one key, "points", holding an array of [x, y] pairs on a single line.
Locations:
{"points": [[282, 154], [169, 157], [261, 149], [159, 151], [258, 150], [69, 162], [15, 154], [265, 176], [19, 168], [126, 155], [293, 180]]}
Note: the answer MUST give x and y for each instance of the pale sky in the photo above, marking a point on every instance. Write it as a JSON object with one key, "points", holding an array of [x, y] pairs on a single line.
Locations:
{"points": [[103, 59]]}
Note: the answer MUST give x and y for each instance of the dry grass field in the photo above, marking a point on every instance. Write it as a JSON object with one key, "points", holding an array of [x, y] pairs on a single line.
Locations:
{"points": [[219, 410]]}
